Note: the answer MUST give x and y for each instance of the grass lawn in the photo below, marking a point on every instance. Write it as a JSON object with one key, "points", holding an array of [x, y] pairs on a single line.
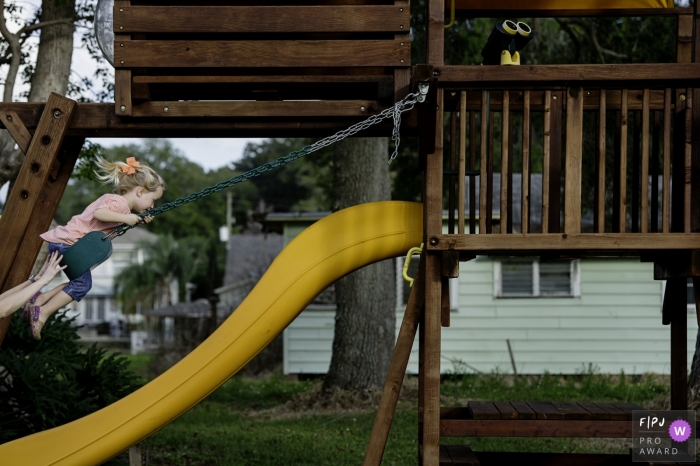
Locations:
{"points": [[263, 421]]}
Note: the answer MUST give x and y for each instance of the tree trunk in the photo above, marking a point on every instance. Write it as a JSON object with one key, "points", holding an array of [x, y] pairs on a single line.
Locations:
{"points": [[366, 314], [51, 74], [53, 59]]}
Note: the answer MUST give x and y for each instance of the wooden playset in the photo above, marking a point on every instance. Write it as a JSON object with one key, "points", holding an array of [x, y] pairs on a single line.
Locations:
{"points": [[243, 68]]}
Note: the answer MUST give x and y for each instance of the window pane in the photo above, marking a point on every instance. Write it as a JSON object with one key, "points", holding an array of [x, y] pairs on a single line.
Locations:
{"points": [[412, 270], [101, 308], [555, 278], [88, 308], [690, 299], [516, 278]]}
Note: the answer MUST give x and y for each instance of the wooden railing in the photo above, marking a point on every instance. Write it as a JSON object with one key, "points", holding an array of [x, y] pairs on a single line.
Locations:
{"points": [[608, 149]]}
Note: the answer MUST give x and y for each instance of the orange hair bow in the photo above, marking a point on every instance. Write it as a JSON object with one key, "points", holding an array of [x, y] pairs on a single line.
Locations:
{"points": [[131, 167]]}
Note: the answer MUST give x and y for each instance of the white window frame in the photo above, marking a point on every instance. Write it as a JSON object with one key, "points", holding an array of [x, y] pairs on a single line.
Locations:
{"points": [[401, 306], [574, 276]]}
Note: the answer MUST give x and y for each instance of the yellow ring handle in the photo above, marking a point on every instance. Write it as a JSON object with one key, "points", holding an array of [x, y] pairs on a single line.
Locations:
{"points": [[452, 15], [407, 262]]}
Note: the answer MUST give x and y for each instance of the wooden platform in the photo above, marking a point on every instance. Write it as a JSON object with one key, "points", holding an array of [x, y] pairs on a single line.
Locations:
{"points": [[538, 419], [463, 455]]}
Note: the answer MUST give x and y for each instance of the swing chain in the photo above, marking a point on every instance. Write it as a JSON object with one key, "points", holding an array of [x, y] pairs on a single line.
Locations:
{"points": [[392, 112]]}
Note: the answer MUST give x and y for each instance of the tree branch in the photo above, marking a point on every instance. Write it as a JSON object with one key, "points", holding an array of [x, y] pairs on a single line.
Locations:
{"points": [[43, 24], [14, 47]]}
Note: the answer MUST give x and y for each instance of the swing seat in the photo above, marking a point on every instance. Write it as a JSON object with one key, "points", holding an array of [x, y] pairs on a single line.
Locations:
{"points": [[87, 253]]}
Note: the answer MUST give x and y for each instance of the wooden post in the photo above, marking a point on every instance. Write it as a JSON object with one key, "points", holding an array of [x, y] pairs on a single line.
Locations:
{"points": [[644, 227], [135, 455], [432, 214], [397, 370], [35, 196], [546, 157]]}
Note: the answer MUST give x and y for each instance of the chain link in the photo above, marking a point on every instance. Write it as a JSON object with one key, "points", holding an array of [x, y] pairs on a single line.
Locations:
{"points": [[392, 112]]}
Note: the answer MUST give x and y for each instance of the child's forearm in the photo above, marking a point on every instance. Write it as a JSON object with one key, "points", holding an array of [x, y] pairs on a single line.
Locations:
{"points": [[110, 216]]}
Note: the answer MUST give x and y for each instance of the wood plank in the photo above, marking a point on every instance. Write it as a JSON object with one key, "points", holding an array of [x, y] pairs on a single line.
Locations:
{"points": [[654, 173], [615, 413], [679, 354], [524, 411], [13, 124], [445, 294], [535, 428], [505, 163], [445, 458], [246, 19], [506, 409], [23, 206], [462, 164], [546, 157], [600, 165], [397, 370], [628, 408], [644, 224], [597, 413], [451, 179], [455, 76], [122, 78], [666, 184], [330, 108], [525, 194], [483, 410], [402, 76], [631, 242], [591, 99], [489, 174], [484, 180], [636, 165], [261, 53], [472, 178], [572, 410], [622, 227], [461, 454], [484, 9], [232, 79], [545, 410], [435, 43], [498, 458], [574, 160]]}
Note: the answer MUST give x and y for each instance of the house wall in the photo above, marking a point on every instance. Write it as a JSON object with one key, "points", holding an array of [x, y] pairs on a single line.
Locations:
{"points": [[614, 325]]}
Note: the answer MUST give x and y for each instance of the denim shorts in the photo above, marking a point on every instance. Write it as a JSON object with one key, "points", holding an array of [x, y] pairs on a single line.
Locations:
{"points": [[79, 287]]}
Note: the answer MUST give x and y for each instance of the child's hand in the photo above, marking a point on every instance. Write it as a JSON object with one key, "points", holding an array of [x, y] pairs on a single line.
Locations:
{"points": [[147, 219], [46, 264], [51, 268], [131, 219]]}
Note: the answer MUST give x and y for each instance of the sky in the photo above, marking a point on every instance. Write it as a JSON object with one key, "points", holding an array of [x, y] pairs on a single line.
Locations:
{"points": [[218, 152]]}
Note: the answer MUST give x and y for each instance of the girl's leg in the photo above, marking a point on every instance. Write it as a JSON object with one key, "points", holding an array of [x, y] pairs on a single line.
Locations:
{"points": [[45, 297], [59, 299]]}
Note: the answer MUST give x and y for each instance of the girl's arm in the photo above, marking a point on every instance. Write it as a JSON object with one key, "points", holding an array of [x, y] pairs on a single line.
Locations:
{"points": [[15, 298], [110, 216]]}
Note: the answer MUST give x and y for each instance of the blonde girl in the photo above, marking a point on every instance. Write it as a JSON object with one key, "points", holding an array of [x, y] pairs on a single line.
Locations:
{"points": [[137, 187]]}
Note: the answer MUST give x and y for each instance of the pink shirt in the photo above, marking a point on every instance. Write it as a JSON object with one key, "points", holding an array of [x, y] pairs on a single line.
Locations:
{"points": [[80, 225]]}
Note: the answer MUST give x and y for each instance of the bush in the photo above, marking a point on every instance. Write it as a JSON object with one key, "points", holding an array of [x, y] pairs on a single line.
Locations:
{"points": [[47, 383]]}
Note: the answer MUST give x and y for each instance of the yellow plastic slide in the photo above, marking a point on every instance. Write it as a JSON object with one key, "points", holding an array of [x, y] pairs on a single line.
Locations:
{"points": [[326, 251]]}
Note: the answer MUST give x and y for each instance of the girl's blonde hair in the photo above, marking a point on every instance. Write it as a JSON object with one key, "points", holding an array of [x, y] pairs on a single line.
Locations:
{"points": [[115, 174]]}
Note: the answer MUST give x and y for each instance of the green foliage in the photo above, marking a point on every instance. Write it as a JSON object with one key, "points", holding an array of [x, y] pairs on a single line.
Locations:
{"points": [[47, 383]]}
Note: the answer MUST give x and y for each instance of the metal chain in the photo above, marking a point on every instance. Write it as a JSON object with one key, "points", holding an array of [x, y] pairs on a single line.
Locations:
{"points": [[392, 112]]}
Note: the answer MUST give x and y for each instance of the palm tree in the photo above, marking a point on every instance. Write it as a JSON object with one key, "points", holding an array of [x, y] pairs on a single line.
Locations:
{"points": [[149, 279]]}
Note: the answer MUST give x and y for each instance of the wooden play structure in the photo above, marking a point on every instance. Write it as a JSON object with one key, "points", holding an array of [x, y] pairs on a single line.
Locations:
{"points": [[242, 68]]}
